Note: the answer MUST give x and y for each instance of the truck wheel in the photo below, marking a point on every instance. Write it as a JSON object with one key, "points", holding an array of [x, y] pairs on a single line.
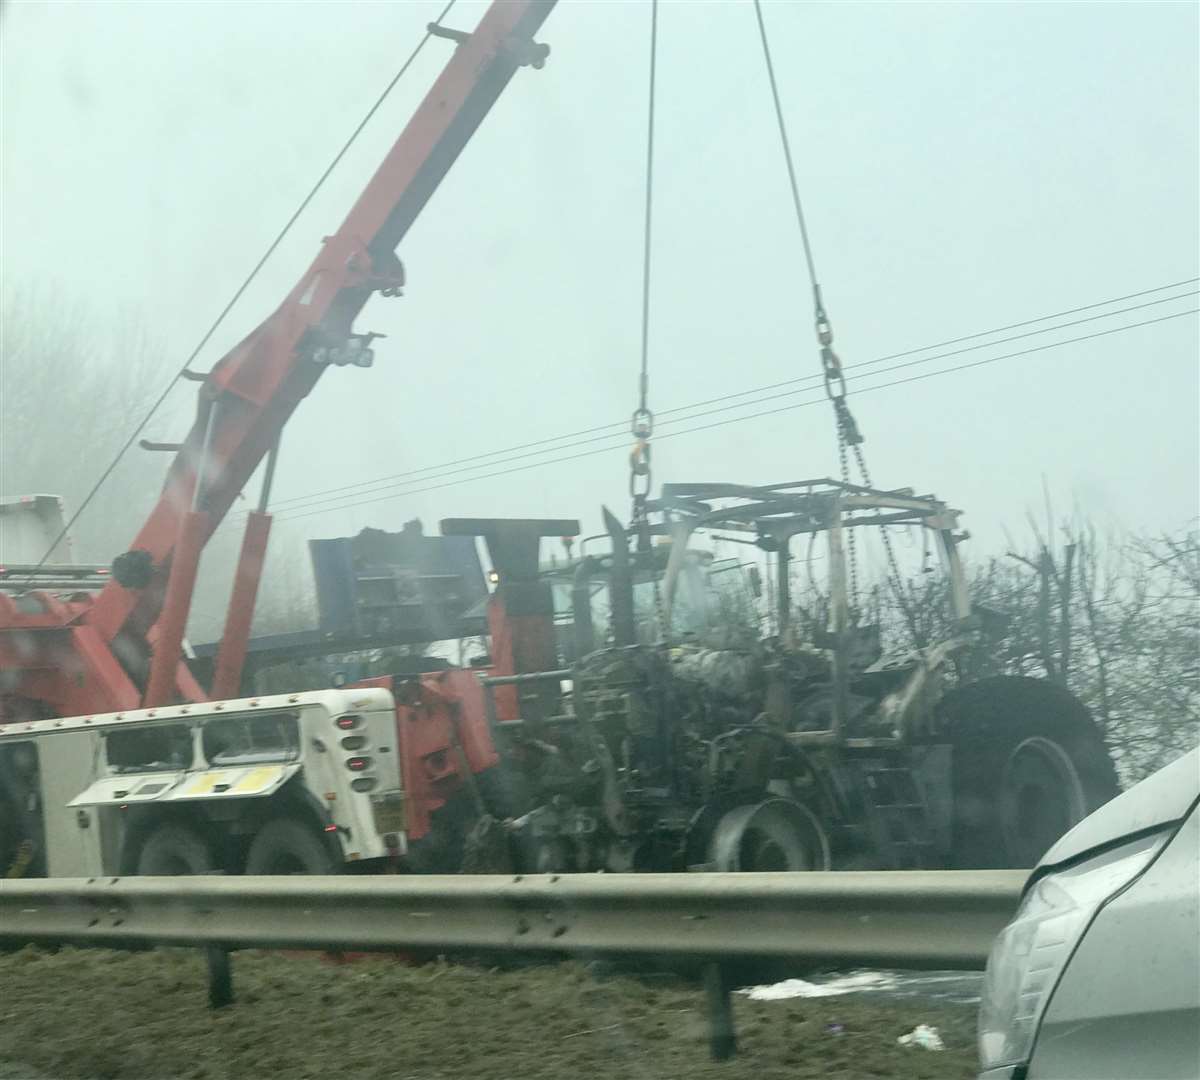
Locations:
{"points": [[172, 850], [10, 838], [288, 846], [1028, 765]]}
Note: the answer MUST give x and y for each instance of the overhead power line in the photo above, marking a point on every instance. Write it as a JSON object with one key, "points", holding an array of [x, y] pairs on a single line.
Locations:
{"points": [[947, 371], [570, 436], [346, 505], [605, 432], [940, 356]]}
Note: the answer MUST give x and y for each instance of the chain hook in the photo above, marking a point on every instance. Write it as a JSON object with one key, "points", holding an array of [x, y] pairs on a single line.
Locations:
{"points": [[835, 378], [642, 427], [639, 469], [824, 326]]}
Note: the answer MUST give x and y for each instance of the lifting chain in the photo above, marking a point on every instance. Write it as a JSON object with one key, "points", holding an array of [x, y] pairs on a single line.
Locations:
{"points": [[835, 378], [897, 581], [851, 438], [848, 434], [640, 480], [851, 539]]}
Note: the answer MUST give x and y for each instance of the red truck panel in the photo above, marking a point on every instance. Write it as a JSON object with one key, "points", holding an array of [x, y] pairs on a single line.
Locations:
{"points": [[440, 726]]}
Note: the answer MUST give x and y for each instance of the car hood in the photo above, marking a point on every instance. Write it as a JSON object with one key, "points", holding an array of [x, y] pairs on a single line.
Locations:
{"points": [[1158, 800]]}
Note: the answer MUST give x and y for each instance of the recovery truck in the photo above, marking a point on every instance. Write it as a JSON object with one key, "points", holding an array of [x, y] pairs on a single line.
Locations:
{"points": [[94, 687]]}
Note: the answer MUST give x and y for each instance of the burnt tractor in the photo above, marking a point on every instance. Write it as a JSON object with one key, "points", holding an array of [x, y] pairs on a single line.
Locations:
{"points": [[670, 744]]}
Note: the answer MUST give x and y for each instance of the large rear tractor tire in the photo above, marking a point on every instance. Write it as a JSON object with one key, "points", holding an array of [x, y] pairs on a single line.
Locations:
{"points": [[1029, 764], [175, 849], [288, 846]]}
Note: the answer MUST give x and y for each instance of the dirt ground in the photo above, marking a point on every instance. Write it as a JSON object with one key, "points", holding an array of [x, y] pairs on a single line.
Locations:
{"points": [[92, 1015]]}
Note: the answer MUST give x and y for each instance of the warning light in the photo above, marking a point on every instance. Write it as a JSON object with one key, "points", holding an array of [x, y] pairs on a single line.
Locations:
{"points": [[348, 723], [357, 764]]}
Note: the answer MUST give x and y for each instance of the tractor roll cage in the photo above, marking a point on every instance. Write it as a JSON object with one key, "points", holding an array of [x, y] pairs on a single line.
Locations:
{"points": [[775, 513]]}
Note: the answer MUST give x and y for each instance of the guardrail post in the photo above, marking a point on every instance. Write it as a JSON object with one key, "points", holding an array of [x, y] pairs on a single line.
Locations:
{"points": [[220, 968], [722, 1036], [220, 977]]}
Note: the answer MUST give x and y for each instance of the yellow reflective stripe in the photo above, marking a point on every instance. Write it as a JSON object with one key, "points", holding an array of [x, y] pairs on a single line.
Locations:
{"points": [[204, 783], [258, 778]]}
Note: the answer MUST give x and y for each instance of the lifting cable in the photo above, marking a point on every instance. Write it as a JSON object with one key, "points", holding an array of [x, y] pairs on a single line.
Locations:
{"points": [[850, 438], [642, 424], [241, 289]]}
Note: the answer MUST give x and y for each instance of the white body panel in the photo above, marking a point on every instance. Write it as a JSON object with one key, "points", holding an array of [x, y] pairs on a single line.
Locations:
{"points": [[90, 769]]}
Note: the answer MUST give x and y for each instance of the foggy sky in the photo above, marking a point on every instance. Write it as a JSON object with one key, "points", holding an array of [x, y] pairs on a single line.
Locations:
{"points": [[963, 167]]}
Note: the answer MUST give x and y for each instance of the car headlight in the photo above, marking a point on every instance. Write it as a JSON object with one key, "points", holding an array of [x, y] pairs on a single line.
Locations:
{"points": [[1028, 956]]}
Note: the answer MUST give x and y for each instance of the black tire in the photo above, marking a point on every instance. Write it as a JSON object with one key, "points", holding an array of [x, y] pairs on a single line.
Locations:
{"points": [[22, 834], [10, 837], [441, 849], [172, 850], [290, 846], [1028, 764]]}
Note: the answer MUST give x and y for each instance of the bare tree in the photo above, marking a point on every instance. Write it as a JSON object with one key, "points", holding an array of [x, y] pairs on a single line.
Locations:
{"points": [[71, 390], [1115, 619]]}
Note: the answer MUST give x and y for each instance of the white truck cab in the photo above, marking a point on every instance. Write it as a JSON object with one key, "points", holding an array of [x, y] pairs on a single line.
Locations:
{"points": [[297, 783]]}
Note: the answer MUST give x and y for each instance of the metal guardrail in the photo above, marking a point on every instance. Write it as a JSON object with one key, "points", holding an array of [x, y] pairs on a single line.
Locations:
{"points": [[931, 919], [938, 918]]}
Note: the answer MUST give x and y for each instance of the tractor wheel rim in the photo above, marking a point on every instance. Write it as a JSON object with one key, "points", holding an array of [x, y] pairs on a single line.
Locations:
{"points": [[771, 836], [1041, 798]]}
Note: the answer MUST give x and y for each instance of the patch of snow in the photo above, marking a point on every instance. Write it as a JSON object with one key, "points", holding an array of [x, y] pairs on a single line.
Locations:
{"points": [[924, 1036], [959, 987], [855, 982]]}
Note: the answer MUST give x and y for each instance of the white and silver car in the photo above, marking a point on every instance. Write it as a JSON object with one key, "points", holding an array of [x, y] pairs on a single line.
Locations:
{"points": [[1097, 976]]}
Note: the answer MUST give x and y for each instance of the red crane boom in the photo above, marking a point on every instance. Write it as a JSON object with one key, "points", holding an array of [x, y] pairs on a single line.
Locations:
{"points": [[123, 649]]}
